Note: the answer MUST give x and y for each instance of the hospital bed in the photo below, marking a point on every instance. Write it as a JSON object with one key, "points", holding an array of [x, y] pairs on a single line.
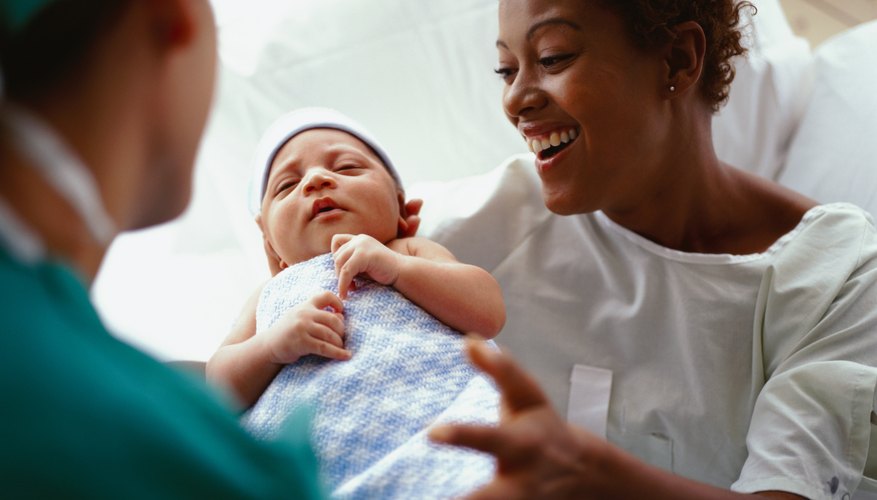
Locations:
{"points": [[419, 75]]}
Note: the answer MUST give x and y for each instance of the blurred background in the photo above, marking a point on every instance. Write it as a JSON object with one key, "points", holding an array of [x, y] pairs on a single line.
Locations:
{"points": [[818, 20]]}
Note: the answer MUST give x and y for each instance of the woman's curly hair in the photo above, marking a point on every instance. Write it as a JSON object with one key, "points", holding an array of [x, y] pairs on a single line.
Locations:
{"points": [[651, 23]]}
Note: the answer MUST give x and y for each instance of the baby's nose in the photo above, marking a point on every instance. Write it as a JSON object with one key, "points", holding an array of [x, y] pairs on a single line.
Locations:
{"points": [[317, 181]]}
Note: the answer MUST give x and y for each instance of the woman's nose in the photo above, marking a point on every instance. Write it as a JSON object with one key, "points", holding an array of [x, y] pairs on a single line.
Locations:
{"points": [[522, 96], [317, 180]]}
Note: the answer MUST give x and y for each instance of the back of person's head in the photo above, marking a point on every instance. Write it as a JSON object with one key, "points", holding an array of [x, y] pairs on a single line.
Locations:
{"points": [[123, 87], [650, 23], [44, 42]]}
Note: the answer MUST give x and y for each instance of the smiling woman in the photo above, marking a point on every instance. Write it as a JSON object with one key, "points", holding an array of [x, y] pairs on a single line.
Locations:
{"points": [[640, 147], [714, 310]]}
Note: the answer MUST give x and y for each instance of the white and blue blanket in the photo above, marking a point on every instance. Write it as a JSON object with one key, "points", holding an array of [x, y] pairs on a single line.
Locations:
{"points": [[371, 413]]}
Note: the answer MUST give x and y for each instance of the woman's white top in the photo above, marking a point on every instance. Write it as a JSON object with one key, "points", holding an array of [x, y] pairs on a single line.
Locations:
{"points": [[755, 372]]}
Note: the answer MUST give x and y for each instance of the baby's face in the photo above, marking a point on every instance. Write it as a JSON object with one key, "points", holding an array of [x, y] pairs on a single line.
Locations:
{"points": [[325, 182]]}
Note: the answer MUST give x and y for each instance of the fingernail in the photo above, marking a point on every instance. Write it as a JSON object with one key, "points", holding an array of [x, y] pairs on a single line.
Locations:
{"points": [[475, 337], [442, 433], [480, 349], [478, 343]]}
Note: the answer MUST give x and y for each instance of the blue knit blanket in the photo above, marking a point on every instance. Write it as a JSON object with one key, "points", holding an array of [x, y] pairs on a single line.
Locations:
{"points": [[371, 413]]}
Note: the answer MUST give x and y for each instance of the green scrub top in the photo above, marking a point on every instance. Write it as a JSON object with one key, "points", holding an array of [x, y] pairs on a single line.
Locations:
{"points": [[87, 416]]}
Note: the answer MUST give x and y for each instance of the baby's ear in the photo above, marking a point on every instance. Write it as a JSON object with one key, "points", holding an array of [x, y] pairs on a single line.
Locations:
{"points": [[275, 263]]}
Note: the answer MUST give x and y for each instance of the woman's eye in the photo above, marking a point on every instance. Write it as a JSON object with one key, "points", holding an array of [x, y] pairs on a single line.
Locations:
{"points": [[506, 73], [347, 166], [549, 62]]}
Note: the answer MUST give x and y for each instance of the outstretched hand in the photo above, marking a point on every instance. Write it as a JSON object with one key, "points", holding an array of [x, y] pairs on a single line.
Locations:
{"points": [[538, 454]]}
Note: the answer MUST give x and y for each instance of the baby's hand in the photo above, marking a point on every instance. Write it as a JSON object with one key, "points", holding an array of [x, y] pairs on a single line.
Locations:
{"points": [[362, 254], [312, 327]]}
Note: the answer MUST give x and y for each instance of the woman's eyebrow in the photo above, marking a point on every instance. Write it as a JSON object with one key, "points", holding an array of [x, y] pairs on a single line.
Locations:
{"points": [[554, 21]]}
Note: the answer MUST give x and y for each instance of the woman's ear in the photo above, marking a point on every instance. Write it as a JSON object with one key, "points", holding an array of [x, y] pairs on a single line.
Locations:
{"points": [[173, 22], [684, 58], [275, 263]]}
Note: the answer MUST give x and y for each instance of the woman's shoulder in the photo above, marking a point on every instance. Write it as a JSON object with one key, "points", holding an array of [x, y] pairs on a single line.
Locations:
{"points": [[821, 263], [839, 211], [833, 228], [829, 243], [821, 285]]}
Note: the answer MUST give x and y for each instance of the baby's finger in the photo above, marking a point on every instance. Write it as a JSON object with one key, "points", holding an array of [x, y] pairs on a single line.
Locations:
{"points": [[412, 225], [413, 206], [412, 218], [322, 333], [345, 278], [327, 300], [333, 321], [339, 240], [328, 350], [341, 257]]}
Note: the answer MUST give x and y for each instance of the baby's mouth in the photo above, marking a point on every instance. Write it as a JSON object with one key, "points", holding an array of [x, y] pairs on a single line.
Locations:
{"points": [[323, 205], [549, 145]]}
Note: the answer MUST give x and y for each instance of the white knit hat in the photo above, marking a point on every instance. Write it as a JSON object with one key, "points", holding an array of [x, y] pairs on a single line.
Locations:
{"points": [[293, 123]]}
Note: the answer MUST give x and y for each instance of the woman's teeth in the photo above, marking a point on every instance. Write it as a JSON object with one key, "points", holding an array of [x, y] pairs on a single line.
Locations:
{"points": [[553, 140]]}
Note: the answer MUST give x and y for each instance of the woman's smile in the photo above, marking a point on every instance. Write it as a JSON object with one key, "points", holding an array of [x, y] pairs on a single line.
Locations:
{"points": [[556, 151], [548, 145]]}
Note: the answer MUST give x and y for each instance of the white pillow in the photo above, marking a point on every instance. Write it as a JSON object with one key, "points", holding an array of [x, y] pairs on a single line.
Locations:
{"points": [[834, 153], [768, 95]]}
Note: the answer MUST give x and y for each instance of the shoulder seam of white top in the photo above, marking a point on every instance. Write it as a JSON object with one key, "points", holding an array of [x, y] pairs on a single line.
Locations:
{"points": [[718, 258]]}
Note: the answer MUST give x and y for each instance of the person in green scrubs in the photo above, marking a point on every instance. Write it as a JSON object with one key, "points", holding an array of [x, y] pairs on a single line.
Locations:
{"points": [[104, 103]]}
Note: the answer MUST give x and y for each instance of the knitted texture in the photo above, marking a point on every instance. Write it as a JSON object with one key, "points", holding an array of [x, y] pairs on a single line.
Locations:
{"points": [[371, 413]]}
